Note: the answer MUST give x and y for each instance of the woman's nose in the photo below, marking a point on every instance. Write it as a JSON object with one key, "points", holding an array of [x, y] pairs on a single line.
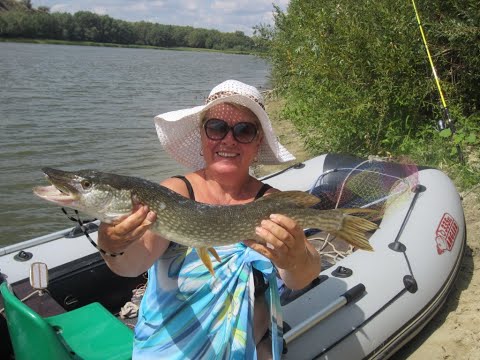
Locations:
{"points": [[229, 139]]}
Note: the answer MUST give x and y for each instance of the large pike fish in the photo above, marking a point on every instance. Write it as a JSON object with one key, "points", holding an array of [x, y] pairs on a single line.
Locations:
{"points": [[108, 197]]}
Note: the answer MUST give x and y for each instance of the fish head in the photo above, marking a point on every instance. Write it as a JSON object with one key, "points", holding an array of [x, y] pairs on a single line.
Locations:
{"points": [[92, 192]]}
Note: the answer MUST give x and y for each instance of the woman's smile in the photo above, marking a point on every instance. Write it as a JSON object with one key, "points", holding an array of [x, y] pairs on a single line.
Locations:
{"points": [[225, 154]]}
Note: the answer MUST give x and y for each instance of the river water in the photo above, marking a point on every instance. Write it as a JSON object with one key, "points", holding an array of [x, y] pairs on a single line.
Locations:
{"points": [[73, 107]]}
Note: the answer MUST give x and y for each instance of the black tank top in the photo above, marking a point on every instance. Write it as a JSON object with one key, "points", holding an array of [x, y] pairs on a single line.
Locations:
{"points": [[191, 194]]}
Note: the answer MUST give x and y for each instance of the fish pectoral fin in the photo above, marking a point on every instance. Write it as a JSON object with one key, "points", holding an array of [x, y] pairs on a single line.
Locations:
{"points": [[214, 253], [203, 254]]}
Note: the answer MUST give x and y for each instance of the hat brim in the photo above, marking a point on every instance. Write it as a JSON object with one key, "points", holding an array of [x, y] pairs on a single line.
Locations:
{"points": [[179, 133]]}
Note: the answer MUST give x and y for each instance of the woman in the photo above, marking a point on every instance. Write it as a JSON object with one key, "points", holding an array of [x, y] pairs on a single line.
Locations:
{"points": [[187, 313]]}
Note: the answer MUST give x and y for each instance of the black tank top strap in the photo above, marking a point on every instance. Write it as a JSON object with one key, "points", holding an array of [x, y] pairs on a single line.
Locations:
{"points": [[262, 191], [191, 194]]}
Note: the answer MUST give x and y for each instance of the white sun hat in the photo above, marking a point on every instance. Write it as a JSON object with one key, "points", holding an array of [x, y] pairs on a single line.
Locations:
{"points": [[179, 131]]}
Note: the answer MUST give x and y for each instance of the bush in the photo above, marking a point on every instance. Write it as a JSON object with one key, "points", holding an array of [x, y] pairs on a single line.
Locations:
{"points": [[356, 77]]}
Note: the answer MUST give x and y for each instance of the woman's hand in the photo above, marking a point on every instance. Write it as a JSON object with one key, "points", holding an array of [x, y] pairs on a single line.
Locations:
{"points": [[116, 237], [285, 242], [286, 246]]}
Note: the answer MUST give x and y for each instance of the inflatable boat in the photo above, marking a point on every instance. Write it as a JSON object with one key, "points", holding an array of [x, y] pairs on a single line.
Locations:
{"points": [[58, 293]]}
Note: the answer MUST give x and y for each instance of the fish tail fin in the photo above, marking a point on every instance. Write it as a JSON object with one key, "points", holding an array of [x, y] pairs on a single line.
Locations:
{"points": [[338, 222], [205, 257], [353, 229]]}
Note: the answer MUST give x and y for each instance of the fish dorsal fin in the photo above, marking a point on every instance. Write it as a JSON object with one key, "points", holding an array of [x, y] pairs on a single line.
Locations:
{"points": [[296, 198]]}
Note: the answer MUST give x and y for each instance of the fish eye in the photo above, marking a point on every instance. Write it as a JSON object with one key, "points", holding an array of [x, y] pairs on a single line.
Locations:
{"points": [[86, 184]]}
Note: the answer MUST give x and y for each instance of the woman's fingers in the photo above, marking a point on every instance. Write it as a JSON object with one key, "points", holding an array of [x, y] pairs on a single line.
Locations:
{"points": [[141, 224], [284, 241], [289, 224], [122, 233], [275, 238], [133, 226], [131, 222], [262, 249], [281, 231]]}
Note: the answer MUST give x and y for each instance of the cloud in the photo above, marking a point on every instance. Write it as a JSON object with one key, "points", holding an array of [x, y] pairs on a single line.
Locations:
{"points": [[241, 5], [59, 8], [136, 7], [100, 10]]}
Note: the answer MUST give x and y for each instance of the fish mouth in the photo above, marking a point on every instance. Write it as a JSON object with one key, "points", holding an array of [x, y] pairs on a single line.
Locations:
{"points": [[61, 191]]}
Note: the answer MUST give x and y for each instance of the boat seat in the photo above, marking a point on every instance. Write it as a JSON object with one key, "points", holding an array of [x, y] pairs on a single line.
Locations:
{"points": [[89, 332]]}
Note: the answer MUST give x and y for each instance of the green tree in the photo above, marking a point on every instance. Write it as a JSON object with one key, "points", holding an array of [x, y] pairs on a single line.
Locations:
{"points": [[88, 26], [27, 4], [20, 21], [197, 38], [355, 73], [213, 38], [44, 9]]}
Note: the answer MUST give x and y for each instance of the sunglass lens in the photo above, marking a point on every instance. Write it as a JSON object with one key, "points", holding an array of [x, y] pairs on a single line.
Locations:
{"points": [[216, 129], [244, 132]]}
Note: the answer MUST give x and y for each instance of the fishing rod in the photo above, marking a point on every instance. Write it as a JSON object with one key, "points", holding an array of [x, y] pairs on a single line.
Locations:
{"points": [[446, 121]]}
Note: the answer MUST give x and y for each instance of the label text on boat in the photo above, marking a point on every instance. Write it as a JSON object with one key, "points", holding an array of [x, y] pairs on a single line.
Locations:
{"points": [[446, 233]]}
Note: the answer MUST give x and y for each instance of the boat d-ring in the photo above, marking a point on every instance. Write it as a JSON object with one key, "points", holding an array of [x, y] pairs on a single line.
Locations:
{"points": [[23, 256]]}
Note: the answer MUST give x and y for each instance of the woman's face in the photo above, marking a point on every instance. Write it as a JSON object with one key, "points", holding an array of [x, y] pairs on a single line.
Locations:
{"points": [[229, 154]]}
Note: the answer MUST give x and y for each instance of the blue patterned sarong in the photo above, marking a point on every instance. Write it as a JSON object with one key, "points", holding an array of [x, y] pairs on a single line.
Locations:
{"points": [[186, 313]]}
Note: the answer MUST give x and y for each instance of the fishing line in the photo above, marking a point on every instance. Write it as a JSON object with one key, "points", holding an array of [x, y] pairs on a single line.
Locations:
{"points": [[447, 121]]}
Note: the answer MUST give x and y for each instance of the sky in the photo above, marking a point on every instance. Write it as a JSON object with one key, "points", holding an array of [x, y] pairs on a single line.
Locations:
{"points": [[223, 15]]}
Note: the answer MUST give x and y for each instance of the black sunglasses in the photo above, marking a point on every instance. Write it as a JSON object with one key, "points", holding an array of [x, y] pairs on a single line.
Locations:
{"points": [[243, 132]]}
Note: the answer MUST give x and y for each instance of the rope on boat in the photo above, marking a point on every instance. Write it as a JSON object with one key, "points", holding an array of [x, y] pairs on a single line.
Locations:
{"points": [[39, 292]]}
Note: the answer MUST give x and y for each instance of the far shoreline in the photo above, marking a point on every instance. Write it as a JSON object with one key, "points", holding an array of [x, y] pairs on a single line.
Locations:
{"points": [[114, 45]]}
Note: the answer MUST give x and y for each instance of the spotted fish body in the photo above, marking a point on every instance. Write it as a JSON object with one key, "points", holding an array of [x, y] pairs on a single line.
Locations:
{"points": [[198, 225], [109, 197]]}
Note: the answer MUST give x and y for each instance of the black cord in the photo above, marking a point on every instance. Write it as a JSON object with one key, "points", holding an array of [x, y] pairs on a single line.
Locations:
{"points": [[294, 166], [85, 232]]}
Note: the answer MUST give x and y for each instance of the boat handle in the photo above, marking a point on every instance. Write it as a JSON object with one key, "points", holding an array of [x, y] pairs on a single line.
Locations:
{"points": [[349, 296]]}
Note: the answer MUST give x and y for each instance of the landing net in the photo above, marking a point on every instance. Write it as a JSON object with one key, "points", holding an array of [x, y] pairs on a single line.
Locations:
{"points": [[376, 183]]}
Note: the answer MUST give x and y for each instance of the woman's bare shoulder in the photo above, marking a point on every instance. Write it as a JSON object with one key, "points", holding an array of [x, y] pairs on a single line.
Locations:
{"points": [[178, 185]]}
